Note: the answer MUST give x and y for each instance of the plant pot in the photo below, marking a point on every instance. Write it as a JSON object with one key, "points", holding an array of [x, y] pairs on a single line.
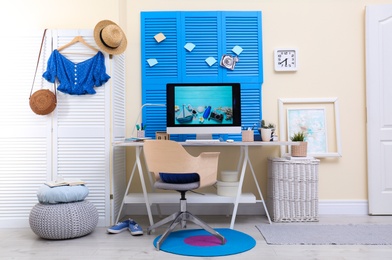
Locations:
{"points": [[300, 150], [266, 134]]}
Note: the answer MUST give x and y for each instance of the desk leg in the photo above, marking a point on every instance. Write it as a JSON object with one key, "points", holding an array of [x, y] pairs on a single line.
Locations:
{"points": [[126, 193], [259, 190], [243, 160], [139, 166]]}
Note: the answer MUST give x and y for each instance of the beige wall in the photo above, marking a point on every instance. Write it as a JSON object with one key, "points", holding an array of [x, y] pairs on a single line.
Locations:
{"points": [[56, 14], [330, 37]]}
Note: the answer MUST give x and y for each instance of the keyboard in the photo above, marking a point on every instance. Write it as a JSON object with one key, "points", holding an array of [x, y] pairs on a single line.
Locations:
{"points": [[202, 141]]}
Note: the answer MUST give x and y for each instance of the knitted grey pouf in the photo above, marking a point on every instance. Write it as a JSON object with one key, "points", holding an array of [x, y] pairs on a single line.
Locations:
{"points": [[63, 220]]}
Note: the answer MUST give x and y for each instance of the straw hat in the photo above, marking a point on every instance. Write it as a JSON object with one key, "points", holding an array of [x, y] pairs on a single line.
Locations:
{"points": [[109, 37]]}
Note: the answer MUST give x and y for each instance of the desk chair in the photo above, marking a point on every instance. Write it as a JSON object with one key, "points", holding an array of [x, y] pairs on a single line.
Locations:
{"points": [[175, 169]]}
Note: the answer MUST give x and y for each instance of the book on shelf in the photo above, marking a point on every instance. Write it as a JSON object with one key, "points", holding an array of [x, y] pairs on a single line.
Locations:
{"points": [[64, 183], [136, 139]]}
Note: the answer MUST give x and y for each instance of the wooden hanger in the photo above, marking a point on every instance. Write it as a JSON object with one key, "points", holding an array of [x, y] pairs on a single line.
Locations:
{"points": [[76, 40]]}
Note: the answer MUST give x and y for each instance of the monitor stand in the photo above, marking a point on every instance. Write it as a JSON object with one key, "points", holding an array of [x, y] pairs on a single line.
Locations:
{"points": [[203, 136]]}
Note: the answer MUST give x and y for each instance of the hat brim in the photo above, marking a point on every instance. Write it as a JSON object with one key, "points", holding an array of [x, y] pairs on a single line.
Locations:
{"points": [[97, 37]]}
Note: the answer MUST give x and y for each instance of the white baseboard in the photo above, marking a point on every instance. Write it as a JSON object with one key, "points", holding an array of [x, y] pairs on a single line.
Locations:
{"points": [[326, 207], [24, 223], [343, 207]]}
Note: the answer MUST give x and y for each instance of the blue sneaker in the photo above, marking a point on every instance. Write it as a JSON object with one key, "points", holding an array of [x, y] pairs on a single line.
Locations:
{"points": [[119, 227], [134, 228]]}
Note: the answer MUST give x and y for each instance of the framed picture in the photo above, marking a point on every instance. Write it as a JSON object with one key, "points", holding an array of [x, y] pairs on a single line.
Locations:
{"points": [[310, 121], [317, 118]]}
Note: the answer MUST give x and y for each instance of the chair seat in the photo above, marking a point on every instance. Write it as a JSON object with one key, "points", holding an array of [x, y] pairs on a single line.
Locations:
{"points": [[176, 186]]}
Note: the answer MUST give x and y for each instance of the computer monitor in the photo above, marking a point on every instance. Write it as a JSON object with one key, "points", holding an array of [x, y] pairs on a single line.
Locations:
{"points": [[203, 109]]}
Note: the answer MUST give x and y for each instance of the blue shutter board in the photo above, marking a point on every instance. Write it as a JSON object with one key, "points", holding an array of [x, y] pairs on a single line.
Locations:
{"points": [[168, 69], [166, 52], [244, 29], [230, 29], [251, 109], [196, 24], [154, 117]]}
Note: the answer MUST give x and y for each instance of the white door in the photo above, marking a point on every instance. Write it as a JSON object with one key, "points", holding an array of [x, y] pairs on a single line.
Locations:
{"points": [[379, 107]]}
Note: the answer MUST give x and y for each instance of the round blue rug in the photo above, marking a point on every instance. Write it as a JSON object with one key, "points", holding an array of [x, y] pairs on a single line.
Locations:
{"points": [[198, 242]]}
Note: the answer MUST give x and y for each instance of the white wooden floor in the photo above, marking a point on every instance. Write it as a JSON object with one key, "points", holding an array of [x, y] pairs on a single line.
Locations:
{"points": [[24, 244]]}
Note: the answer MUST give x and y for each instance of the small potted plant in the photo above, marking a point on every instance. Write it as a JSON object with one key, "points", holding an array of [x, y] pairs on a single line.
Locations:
{"points": [[266, 131], [301, 149]]}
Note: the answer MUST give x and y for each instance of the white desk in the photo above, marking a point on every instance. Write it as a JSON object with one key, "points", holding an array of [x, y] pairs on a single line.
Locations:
{"points": [[243, 162]]}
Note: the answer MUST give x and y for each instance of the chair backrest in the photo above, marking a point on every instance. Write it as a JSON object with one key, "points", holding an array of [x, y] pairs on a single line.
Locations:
{"points": [[171, 157]]}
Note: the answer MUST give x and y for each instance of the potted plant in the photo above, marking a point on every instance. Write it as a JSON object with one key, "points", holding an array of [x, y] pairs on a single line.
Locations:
{"points": [[266, 131], [301, 149]]}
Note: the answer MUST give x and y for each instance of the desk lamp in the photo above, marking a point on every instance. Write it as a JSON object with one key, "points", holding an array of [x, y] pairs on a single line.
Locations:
{"points": [[140, 112]]}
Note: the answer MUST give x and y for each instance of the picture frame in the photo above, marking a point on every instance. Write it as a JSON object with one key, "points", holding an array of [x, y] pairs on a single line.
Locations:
{"points": [[318, 118], [312, 122]]}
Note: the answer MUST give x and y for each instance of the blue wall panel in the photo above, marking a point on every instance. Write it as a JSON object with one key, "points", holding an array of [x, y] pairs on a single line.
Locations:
{"points": [[214, 33]]}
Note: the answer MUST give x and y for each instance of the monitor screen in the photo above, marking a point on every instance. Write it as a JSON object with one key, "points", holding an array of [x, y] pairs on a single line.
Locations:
{"points": [[203, 108]]}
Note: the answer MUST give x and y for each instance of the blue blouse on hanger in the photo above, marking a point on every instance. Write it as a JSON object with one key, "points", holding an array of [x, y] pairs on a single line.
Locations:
{"points": [[76, 78]]}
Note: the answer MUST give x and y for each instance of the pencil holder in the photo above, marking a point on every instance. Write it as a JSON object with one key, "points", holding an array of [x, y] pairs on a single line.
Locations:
{"points": [[140, 134], [247, 136]]}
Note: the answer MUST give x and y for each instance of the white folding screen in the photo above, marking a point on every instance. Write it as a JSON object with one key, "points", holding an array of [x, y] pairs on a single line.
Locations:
{"points": [[80, 130], [25, 138], [118, 185], [74, 141]]}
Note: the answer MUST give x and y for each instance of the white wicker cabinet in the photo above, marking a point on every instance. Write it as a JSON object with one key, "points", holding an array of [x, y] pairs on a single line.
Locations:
{"points": [[292, 194]]}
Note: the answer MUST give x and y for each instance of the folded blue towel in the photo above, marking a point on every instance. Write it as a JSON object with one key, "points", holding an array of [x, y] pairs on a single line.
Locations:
{"points": [[61, 194]]}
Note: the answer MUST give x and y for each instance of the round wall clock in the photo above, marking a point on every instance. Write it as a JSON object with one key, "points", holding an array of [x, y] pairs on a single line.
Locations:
{"points": [[286, 59]]}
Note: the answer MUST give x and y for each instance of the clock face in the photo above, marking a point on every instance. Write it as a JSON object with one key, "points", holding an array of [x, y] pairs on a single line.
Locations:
{"points": [[286, 60]]}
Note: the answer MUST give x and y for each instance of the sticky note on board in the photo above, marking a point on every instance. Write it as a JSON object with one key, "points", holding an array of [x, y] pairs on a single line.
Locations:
{"points": [[152, 62], [237, 49], [159, 37], [189, 46], [210, 61]]}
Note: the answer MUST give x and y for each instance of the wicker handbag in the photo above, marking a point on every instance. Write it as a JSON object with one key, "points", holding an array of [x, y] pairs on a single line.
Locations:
{"points": [[42, 101]]}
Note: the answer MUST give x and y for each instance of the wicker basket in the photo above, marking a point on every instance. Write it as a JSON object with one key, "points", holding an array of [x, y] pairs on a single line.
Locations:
{"points": [[293, 190]]}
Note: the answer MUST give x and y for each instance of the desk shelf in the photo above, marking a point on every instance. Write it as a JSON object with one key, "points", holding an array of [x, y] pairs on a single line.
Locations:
{"points": [[164, 198]]}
